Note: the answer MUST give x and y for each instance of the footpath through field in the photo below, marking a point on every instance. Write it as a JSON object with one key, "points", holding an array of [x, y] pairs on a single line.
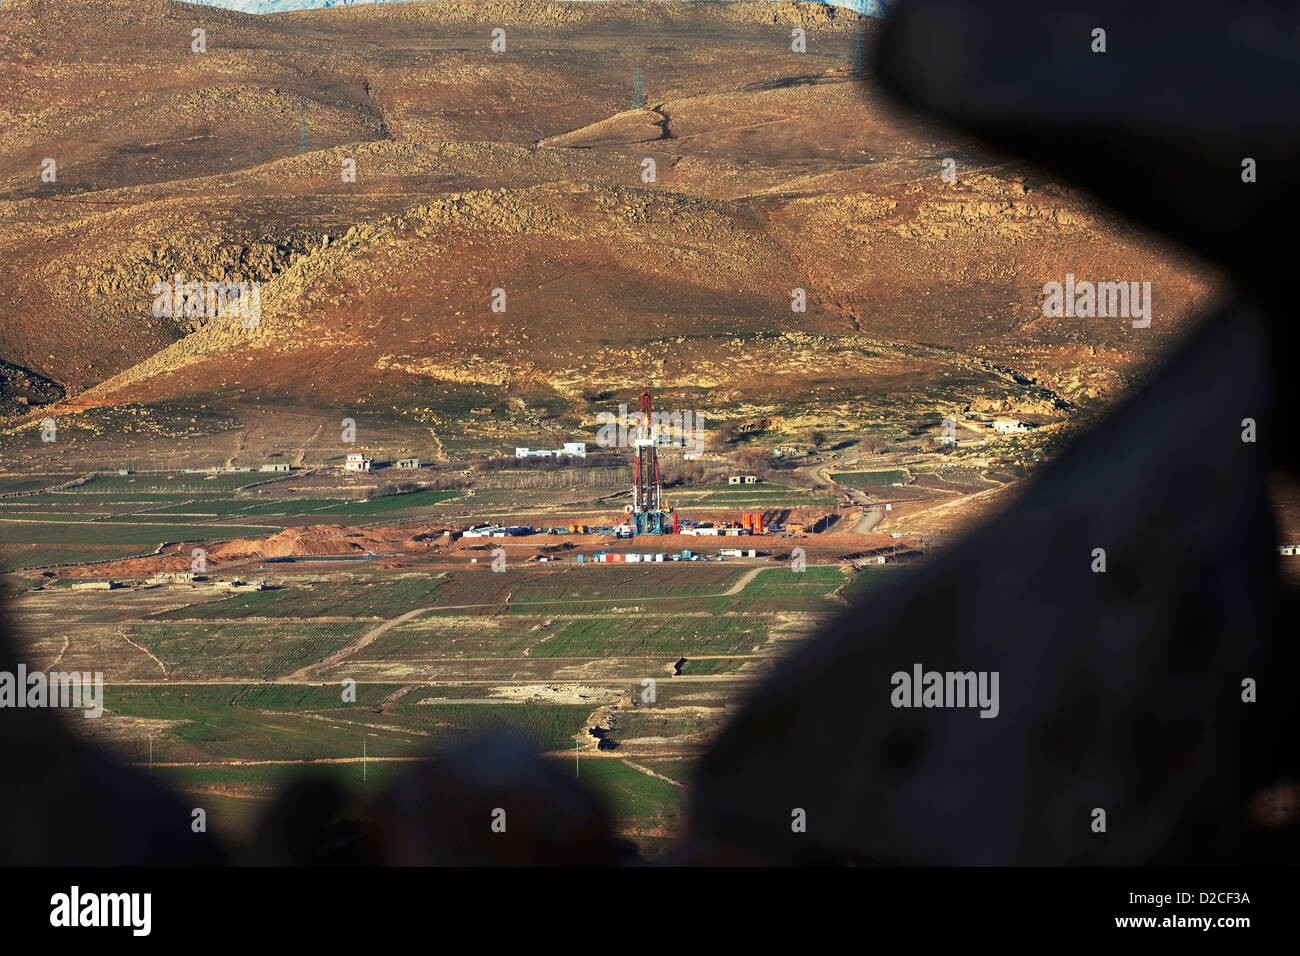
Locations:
{"points": [[307, 673]]}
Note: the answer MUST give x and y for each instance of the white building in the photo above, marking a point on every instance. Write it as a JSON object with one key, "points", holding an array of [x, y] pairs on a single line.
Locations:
{"points": [[1010, 426], [575, 449], [357, 462]]}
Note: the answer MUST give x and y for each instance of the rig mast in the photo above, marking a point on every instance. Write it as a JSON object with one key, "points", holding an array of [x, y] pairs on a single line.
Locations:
{"points": [[647, 515]]}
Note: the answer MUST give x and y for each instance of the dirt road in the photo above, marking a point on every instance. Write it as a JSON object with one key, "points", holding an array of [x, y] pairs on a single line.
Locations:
{"points": [[741, 582], [306, 674]]}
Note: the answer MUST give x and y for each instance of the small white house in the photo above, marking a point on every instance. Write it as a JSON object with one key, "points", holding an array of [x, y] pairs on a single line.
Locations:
{"points": [[357, 462], [1010, 426], [575, 449]]}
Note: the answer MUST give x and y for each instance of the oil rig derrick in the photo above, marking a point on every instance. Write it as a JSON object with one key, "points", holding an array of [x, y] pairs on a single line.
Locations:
{"points": [[648, 513]]}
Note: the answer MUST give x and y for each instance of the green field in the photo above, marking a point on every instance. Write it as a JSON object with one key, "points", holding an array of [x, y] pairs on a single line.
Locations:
{"points": [[632, 796], [174, 701], [870, 479], [192, 651], [116, 516], [709, 667], [11, 483], [611, 635], [233, 507], [32, 544], [761, 495], [234, 722], [548, 726], [382, 595], [387, 503], [15, 557], [754, 502], [179, 484], [118, 532]]}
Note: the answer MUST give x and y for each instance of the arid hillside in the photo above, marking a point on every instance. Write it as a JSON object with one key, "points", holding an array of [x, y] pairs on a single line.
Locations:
{"points": [[663, 193]]}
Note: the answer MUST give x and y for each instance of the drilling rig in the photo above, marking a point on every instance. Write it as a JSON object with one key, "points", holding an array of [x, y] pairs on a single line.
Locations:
{"points": [[647, 514]]}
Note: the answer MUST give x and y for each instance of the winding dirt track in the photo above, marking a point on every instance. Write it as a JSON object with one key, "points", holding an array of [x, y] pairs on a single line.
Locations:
{"points": [[311, 671]]}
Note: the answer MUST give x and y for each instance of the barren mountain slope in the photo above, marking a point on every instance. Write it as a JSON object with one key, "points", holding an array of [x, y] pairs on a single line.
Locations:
{"points": [[527, 171]]}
